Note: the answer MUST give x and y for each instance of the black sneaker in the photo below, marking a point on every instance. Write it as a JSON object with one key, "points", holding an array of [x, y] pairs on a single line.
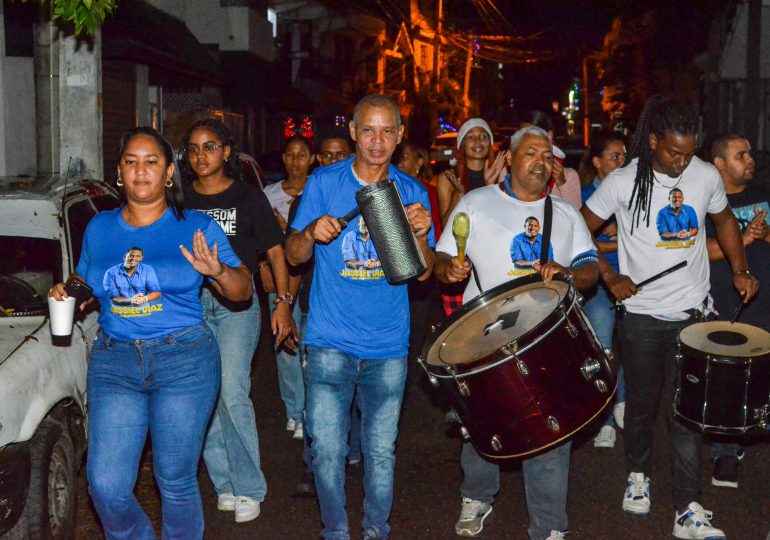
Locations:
{"points": [[725, 472]]}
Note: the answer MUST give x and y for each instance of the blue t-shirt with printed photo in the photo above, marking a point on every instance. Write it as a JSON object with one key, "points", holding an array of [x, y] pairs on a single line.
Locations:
{"points": [[354, 310], [160, 295]]}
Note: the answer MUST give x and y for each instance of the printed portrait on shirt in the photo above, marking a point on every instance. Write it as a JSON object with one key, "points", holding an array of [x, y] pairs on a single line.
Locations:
{"points": [[526, 246], [677, 222], [132, 282], [359, 254]]}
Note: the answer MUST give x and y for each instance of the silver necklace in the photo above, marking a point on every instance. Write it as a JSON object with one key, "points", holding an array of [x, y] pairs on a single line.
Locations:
{"points": [[655, 176]]}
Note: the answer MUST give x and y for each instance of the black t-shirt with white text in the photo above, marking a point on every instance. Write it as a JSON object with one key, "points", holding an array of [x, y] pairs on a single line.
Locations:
{"points": [[725, 296], [244, 214]]}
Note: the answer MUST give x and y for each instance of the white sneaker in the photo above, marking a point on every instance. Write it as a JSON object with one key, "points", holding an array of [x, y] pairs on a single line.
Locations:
{"points": [[557, 535], [637, 497], [226, 502], [618, 411], [695, 524], [299, 430], [472, 516], [291, 424], [605, 438], [246, 509]]}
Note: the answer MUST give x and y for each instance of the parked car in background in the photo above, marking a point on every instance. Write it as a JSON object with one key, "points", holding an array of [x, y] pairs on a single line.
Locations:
{"points": [[442, 150], [42, 386]]}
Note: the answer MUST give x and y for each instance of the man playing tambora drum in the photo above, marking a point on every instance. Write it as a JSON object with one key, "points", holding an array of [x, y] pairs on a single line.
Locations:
{"points": [[496, 215], [662, 159]]}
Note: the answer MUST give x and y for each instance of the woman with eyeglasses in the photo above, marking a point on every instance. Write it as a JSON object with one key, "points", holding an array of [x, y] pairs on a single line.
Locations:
{"points": [[298, 156], [212, 184], [154, 366], [606, 153]]}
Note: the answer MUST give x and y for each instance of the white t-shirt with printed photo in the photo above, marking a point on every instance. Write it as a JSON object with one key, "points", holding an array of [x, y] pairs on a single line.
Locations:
{"points": [[673, 235], [500, 244]]}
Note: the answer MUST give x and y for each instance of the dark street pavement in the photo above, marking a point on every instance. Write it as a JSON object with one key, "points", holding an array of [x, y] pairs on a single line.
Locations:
{"points": [[427, 500]]}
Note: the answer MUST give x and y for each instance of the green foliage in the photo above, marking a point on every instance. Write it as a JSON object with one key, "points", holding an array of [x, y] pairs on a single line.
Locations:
{"points": [[84, 14]]}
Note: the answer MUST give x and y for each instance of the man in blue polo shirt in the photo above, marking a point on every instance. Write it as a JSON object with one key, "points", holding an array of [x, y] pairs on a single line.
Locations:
{"points": [[131, 282], [353, 348]]}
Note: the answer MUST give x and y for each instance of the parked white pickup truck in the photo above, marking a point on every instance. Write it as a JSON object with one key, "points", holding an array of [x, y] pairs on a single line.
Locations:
{"points": [[42, 386]]}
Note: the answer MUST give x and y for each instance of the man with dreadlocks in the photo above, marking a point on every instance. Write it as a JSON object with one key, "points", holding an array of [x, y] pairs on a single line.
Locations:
{"points": [[661, 159]]}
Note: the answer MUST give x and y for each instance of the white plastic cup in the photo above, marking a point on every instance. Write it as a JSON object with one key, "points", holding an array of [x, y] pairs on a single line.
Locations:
{"points": [[62, 312]]}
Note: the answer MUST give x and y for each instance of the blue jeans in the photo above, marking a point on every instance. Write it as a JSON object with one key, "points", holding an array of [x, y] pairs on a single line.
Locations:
{"points": [[599, 310], [167, 385], [231, 450], [289, 365], [333, 378], [546, 478], [648, 347]]}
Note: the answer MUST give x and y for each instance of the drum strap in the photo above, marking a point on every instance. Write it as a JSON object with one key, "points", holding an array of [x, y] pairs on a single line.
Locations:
{"points": [[547, 218]]}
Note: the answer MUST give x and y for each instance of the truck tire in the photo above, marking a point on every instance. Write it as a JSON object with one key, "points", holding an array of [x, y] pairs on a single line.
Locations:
{"points": [[49, 513]]}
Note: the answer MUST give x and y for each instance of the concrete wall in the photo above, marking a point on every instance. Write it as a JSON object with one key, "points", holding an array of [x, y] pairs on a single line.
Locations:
{"points": [[17, 112], [232, 28], [733, 62], [18, 117]]}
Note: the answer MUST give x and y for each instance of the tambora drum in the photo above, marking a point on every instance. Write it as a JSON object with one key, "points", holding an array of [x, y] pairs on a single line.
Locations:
{"points": [[723, 385], [521, 366]]}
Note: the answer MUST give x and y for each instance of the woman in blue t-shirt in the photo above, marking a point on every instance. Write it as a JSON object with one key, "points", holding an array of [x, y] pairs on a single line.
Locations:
{"points": [[154, 365]]}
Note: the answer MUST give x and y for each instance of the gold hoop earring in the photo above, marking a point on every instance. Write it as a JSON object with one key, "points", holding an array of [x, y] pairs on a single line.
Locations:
{"points": [[119, 182], [169, 182]]}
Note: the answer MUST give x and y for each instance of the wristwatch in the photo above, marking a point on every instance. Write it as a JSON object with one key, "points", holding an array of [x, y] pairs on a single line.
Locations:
{"points": [[283, 299]]}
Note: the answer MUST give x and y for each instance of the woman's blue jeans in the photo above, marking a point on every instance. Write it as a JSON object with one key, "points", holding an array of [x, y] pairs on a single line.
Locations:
{"points": [[333, 378], [291, 382], [231, 450], [166, 385]]}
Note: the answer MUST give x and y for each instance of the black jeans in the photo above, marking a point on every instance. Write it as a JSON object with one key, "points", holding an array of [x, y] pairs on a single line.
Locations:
{"points": [[648, 349]]}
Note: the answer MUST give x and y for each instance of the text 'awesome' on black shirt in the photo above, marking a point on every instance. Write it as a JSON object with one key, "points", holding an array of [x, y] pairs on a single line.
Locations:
{"points": [[244, 214]]}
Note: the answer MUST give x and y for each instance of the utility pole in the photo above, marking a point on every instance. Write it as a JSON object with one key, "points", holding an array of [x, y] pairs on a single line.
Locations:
{"points": [[751, 111], [466, 86], [437, 47]]}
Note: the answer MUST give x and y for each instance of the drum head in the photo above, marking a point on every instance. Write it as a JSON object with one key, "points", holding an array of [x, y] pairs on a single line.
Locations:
{"points": [[494, 320], [721, 338]]}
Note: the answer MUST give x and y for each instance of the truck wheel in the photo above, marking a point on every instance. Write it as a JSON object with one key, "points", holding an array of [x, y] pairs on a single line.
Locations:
{"points": [[50, 510]]}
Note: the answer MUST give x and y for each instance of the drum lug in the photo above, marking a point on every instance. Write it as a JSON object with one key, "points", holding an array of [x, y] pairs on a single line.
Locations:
{"points": [[590, 368], [609, 355], [463, 388], [464, 432], [495, 443], [571, 328], [553, 424], [431, 377], [601, 386], [510, 348], [522, 367]]}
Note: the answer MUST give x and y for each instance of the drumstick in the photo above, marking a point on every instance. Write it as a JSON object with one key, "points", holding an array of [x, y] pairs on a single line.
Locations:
{"points": [[661, 274], [737, 312], [343, 221], [461, 228]]}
